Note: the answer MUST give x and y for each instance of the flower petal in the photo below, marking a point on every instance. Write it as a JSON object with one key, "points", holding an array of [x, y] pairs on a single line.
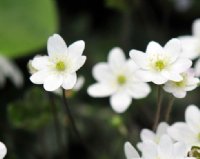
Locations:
{"points": [[182, 132], [3, 150], [190, 47], [120, 102], [151, 148], [77, 63], [165, 148], [181, 65], [162, 129], [192, 117], [116, 58], [102, 72], [56, 45], [154, 48], [139, 90], [130, 151], [100, 90], [39, 77], [139, 58], [196, 28], [146, 135], [179, 150], [197, 68], [53, 82], [40, 62], [75, 50], [173, 47], [69, 81]]}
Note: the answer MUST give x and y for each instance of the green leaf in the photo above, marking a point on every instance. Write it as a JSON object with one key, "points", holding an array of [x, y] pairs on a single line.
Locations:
{"points": [[25, 25]]}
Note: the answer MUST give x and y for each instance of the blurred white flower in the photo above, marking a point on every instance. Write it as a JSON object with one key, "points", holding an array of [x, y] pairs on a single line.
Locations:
{"points": [[188, 131], [166, 149], [148, 135], [10, 70], [58, 69], [191, 43], [118, 79], [3, 150], [179, 89], [160, 64]]}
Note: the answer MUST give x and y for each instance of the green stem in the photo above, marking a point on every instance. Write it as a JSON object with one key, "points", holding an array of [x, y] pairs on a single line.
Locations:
{"points": [[169, 108], [159, 102]]}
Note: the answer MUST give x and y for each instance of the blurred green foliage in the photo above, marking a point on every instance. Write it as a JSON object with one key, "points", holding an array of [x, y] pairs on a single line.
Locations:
{"points": [[25, 25]]}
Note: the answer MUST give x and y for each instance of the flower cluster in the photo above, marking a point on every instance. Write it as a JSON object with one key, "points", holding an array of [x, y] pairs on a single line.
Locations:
{"points": [[180, 140]]}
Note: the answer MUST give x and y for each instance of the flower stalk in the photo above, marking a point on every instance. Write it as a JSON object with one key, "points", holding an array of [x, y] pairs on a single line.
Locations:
{"points": [[169, 108]]}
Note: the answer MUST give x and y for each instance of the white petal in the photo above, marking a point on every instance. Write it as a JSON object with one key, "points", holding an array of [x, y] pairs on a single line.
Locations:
{"points": [[131, 65], [162, 129], [102, 72], [56, 45], [154, 48], [53, 82], [3, 150], [158, 79], [130, 151], [69, 81], [146, 135], [145, 76], [165, 148], [75, 50], [40, 76], [182, 132], [179, 93], [120, 102], [100, 90], [149, 150], [77, 63], [180, 150], [190, 47], [196, 28], [139, 58], [173, 47], [139, 90], [79, 83], [40, 62], [172, 75], [116, 58], [197, 68], [181, 65], [192, 117]]}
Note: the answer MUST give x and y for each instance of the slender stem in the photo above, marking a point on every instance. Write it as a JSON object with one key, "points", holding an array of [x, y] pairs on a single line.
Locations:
{"points": [[71, 119], [159, 102], [169, 108], [56, 121]]}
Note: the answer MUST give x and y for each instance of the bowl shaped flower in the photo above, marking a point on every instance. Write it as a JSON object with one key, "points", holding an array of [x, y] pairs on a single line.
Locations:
{"points": [[160, 64], [166, 149], [117, 78], [148, 135], [188, 131], [191, 43], [58, 69], [179, 89]]}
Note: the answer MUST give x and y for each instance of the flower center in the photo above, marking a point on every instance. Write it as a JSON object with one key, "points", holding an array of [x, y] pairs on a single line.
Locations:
{"points": [[194, 152], [160, 65], [121, 79], [60, 66], [180, 84]]}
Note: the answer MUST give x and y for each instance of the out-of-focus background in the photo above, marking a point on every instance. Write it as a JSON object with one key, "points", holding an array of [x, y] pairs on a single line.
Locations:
{"points": [[26, 120]]}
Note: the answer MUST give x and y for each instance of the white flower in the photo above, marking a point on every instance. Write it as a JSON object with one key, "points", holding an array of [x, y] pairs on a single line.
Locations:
{"points": [[3, 150], [148, 135], [161, 64], [188, 131], [118, 79], [179, 89], [10, 70], [58, 69], [166, 149], [191, 43]]}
